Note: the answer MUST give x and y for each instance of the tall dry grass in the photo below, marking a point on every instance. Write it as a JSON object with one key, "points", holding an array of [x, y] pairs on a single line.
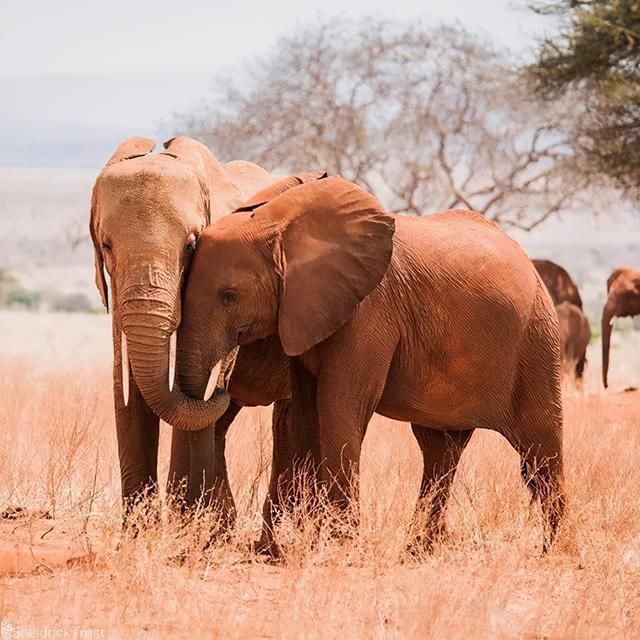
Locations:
{"points": [[58, 459]]}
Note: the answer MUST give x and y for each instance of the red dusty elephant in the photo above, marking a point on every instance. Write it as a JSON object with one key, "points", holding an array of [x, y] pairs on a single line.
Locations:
{"points": [[575, 334], [558, 282], [623, 300], [387, 314], [147, 212]]}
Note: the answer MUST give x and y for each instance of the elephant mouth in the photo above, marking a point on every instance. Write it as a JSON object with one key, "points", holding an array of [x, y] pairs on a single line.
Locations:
{"points": [[221, 373]]}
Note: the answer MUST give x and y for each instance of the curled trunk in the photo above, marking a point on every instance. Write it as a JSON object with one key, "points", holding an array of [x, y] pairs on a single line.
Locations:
{"points": [[608, 315], [148, 350]]}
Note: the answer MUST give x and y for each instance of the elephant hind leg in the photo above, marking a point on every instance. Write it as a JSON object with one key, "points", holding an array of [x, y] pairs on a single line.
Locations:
{"points": [[441, 452], [542, 472], [536, 435], [533, 425]]}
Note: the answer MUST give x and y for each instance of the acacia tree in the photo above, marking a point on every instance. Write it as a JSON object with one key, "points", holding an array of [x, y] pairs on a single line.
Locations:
{"points": [[425, 118], [597, 53]]}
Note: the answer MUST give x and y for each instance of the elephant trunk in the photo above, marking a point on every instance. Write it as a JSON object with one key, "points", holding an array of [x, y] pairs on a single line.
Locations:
{"points": [[608, 315], [146, 338]]}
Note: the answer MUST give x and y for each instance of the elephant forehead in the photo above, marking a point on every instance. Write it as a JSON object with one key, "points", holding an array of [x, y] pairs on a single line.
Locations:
{"points": [[150, 197]]}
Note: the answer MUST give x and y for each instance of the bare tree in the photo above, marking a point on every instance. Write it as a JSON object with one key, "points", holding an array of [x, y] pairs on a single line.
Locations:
{"points": [[425, 118]]}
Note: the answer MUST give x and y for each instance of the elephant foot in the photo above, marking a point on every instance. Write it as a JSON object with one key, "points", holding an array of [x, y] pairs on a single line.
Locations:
{"points": [[418, 549], [423, 544], [267, 548]]}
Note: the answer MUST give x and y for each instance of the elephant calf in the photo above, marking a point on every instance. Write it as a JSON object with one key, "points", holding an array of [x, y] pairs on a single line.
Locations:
{"points": [[575, 335], [440, 321]]}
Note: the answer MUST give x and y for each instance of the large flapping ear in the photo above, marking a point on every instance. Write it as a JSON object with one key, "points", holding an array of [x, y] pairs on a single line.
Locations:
{"points": [[333, 246], [100, 279], [213, 176], [278, 188], [133, 147]]}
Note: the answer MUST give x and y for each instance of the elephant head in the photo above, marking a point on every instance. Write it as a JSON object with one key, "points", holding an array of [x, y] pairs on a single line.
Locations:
{"points": [[623, 300], [297, 267], [147, 212]]}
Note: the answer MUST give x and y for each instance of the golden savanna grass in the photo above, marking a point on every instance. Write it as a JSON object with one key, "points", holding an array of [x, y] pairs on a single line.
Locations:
{"points": [[58, 461]]}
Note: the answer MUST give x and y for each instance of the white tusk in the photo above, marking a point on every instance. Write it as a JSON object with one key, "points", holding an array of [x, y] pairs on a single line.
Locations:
{"points": [[228, 365], [613, 319], [213, 380], [172, 359], [124, 359]]}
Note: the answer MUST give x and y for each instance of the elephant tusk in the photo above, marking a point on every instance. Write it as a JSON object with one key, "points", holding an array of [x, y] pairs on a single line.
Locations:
{"points": [[172, 359], [228, 364], [213, 381], [124, 359], [613, 319]]}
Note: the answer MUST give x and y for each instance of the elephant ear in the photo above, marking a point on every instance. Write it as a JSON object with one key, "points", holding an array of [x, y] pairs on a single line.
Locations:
{"points": [[212, 175], [100, 279], [134, 147], [278, 188], [614, 276], [333, 247]]}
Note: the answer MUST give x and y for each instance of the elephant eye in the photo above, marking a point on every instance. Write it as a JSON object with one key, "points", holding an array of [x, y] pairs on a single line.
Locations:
{"points": [[106, 246], [229, 297]]}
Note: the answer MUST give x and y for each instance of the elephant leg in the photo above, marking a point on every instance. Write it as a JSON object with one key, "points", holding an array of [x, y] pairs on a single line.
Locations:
{"points": [[348, 394], [198, 468], [542, 473], [537, 437], [178, 477], [441, 451], [219, 490], [137, 429], [294, 454]]}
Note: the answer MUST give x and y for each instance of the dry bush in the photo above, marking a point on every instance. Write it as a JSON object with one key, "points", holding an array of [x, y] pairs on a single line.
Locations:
{"points": [[485, 579]]}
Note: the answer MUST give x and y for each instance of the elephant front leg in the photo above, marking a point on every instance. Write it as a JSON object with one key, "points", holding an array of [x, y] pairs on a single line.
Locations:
{"points": [[198, 469], [291, 453], [137, 430], [348, 393]]}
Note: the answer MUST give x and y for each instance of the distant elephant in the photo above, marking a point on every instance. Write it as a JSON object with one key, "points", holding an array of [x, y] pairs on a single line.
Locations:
{"points": [[147, 212], [441, 321], [623, 300], [558, 282], [575, 335]]}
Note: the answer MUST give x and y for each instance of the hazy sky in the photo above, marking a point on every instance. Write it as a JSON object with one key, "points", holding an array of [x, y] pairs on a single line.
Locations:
{"points": [[69, 36], [76, 76]]}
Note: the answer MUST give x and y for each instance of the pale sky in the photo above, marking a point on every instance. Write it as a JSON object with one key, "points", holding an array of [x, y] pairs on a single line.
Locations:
{"points": [[89, 36], [76, 76]]}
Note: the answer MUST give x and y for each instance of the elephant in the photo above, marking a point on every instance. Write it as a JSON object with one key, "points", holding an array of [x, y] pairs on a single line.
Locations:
{"points": [[440, 321], [575, 335], [623, 300], [559, 283], [147, 212]]}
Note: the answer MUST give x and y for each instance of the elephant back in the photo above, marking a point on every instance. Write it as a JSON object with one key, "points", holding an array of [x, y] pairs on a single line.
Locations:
{"points": [[559, 283]]}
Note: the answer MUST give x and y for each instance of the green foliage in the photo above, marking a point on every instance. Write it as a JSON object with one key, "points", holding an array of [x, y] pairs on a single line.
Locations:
{"points": [[14, 296], [597, 52], [72, 303], [20, 298], [7, 284]]}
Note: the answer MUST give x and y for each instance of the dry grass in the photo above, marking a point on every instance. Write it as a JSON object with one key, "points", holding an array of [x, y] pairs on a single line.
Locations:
{"points": [[487, 579]]}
